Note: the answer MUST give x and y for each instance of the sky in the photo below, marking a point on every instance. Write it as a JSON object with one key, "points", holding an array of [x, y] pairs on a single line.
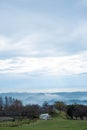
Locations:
{"points": [[43, 45]]}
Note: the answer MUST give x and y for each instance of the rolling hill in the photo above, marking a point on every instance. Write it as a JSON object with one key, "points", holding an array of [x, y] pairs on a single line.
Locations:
{"points": [[39, 98]]}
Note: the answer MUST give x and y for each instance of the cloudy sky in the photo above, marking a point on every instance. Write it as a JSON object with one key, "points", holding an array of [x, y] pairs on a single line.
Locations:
{"points": [[43, 45]]}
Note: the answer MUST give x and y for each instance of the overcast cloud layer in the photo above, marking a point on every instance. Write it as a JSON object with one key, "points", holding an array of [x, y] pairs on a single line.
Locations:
{"points": [[43, 45]]}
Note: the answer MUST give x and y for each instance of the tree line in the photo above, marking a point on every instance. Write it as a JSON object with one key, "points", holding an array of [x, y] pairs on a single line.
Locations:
{"points": [[14, 108]]}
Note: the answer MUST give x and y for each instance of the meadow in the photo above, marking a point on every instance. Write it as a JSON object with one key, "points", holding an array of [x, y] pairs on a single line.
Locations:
{"points": [[54, 124]]}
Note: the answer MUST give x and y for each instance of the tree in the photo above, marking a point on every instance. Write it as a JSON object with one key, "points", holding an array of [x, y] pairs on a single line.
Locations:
{"points": [[31, 111], [1, 103], [61, 106], [77, 111], [70, 110]]}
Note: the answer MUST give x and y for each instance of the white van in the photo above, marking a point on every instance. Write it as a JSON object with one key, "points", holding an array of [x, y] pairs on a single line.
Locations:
{"points": [[45, 116]]}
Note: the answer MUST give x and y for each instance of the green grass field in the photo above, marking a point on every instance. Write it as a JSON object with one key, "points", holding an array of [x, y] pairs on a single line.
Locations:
{"points": [[54, 124]]}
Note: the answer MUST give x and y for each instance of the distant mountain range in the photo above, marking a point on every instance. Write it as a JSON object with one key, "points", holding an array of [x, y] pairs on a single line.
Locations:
{"points": [[39, 98]]}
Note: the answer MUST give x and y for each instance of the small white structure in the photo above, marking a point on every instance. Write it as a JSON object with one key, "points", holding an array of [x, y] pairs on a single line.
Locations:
{"points": [[45, 116]]}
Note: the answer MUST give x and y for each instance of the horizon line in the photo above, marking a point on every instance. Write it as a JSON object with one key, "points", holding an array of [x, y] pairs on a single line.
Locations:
{"points": [[43, 92]]}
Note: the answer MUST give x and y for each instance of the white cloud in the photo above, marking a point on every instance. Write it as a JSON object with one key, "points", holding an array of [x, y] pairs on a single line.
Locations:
{"points": [[65, 65], [54, 42], [43, 40], [26, 43], [4, 43], [48, 91], [80, 32]]}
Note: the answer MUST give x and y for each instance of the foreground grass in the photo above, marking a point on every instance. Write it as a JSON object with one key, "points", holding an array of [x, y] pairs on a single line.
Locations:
{"points": [[54, 124]]}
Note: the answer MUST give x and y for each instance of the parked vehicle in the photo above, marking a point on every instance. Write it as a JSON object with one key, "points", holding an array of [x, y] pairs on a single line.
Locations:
{"points": [[45, 116]]}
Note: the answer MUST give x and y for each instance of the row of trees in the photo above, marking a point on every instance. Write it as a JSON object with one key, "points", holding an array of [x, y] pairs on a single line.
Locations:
{"points": [[77, 111], [10, 106], [14, 108]]}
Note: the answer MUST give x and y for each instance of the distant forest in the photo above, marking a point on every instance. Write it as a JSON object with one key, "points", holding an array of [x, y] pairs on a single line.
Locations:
{"points": [[10, 107]]}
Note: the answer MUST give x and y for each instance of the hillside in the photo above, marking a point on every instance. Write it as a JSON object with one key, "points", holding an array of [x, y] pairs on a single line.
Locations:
{"points": [[39, 98]]}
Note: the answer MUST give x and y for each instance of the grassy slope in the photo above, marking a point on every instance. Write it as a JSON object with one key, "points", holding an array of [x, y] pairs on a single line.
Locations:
{"points": [[55, 124]]}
